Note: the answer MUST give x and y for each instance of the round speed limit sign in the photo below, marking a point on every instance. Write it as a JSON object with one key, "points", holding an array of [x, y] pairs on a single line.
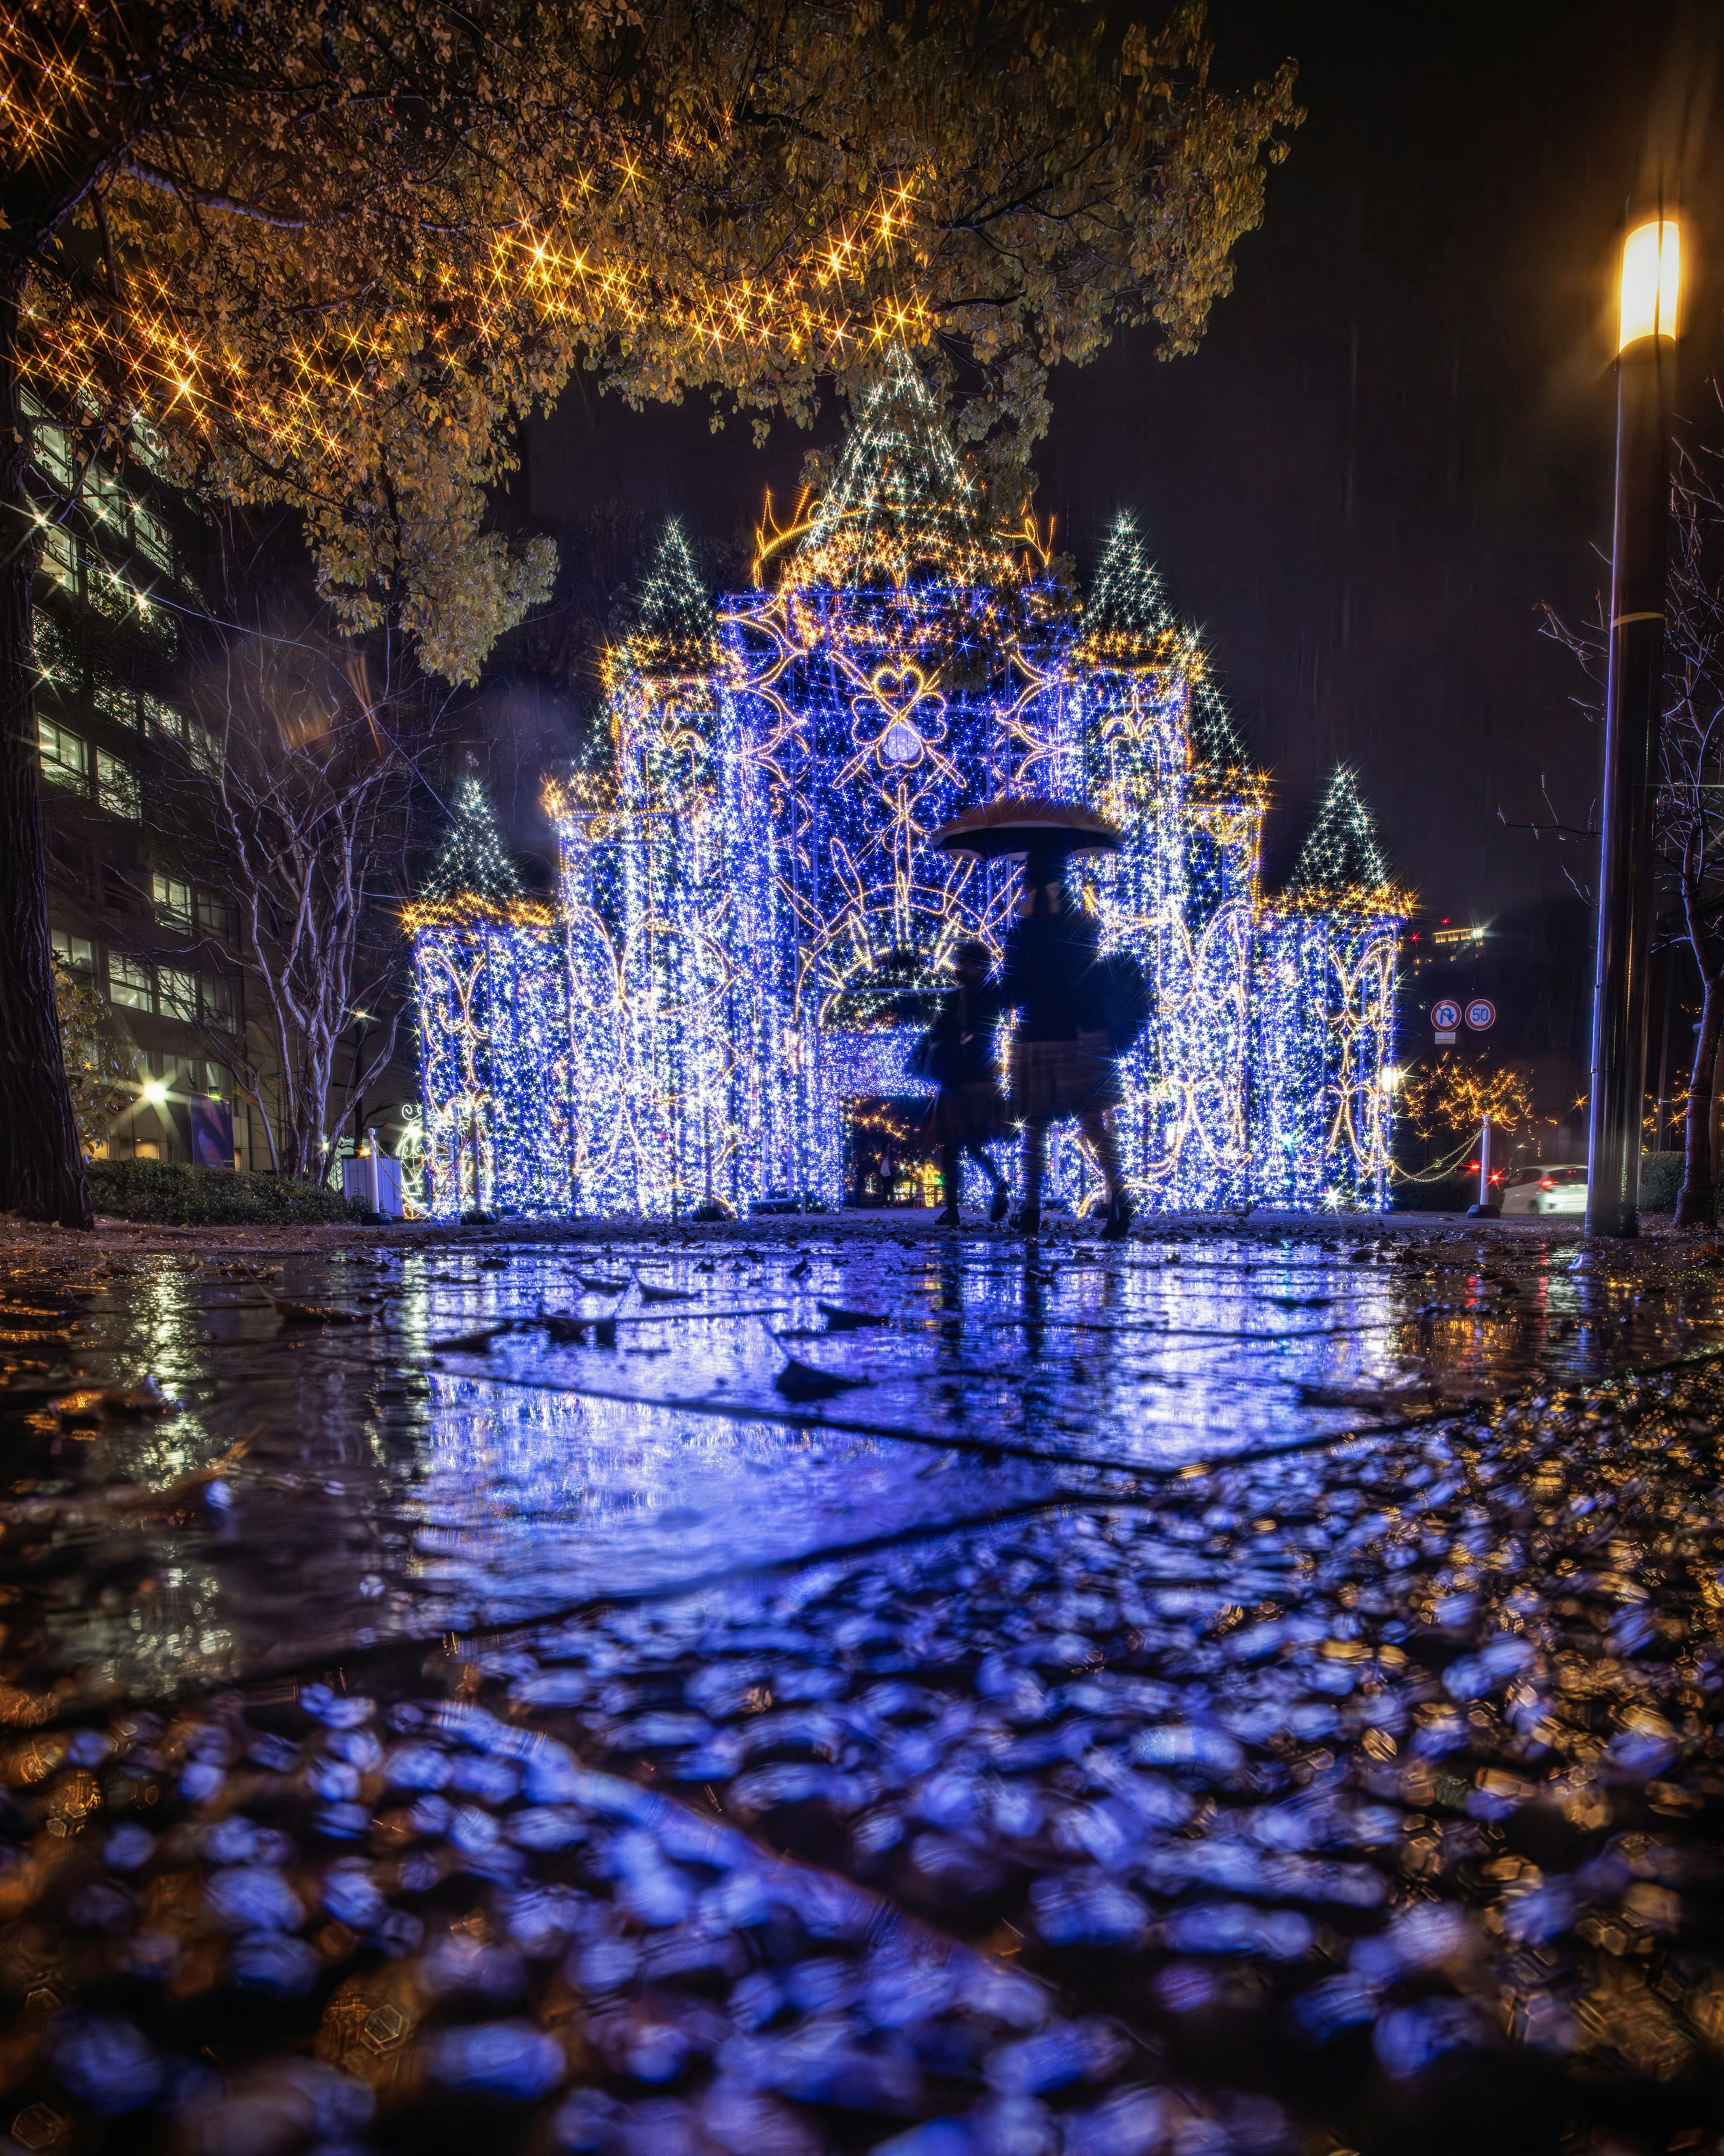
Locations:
{"points": [[1481, 1013], [1445, 1016]]}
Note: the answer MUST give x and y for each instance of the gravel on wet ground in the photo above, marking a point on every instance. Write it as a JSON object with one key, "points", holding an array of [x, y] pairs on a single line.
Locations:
{"points": [[1356, 1787]]}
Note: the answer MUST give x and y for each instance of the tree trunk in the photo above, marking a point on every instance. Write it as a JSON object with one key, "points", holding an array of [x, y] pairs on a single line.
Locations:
{"points": [[41, 1160], [1697, 1200]]}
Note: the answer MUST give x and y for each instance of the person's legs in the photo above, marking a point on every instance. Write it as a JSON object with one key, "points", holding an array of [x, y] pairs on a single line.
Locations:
{"points": [[1000, 1201], [985, 1161], [952, 1159], [1098, 1129], [1035, 1162]]}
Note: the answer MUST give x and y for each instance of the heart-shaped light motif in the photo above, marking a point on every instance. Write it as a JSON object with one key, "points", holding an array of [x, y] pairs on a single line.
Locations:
{"points": [[900, 691]]}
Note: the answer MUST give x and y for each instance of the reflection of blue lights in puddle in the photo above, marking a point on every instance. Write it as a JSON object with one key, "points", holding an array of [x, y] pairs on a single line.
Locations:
{"points": [[530, 1499], [1152, 1370]]}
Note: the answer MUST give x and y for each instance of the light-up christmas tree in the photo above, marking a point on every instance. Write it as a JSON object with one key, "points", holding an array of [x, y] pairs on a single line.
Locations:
{"points": [[1162, 761], [1128, 598], [474, 860], [492, 994], [752, 918], [1341, 860], [676, 607], [903, 508]]}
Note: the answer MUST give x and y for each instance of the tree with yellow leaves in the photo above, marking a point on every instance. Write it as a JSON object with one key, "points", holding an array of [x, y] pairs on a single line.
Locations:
{"points": [[1447, 1100], [329, 256], [101, 1069]]}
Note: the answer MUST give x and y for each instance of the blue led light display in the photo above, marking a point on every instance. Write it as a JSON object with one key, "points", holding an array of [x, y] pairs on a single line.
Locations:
{"points": [[752, 919]]}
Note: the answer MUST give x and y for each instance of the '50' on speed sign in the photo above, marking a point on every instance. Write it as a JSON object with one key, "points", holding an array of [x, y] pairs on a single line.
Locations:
{"points": [[1481, 1013]]}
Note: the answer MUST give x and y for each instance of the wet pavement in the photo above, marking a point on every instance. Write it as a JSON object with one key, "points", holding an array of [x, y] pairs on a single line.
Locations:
{"points": [[825, 1685]]}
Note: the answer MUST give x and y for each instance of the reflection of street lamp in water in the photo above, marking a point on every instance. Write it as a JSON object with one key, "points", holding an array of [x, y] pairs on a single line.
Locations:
{"points": [[1645, 366]]}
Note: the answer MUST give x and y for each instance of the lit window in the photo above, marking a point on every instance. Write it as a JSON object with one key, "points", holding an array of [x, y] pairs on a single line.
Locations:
{"points": [[117, 787], [103, 495], [115, 700], [146, 446], [66, 756], [172, 900], [53, 455], [177, 994], [59, 557], [76, 953], [202, 747], [131, 984], [152, 539]]}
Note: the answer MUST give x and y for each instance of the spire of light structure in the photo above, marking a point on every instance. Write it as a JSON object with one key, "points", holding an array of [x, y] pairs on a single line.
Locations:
{"points": [[674, 607], [473, 861], [903, 506], [1128, 598], [1340, 858]]}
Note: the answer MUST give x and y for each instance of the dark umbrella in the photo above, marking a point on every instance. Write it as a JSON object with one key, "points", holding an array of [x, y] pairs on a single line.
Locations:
{"points": [[1046, 831]]}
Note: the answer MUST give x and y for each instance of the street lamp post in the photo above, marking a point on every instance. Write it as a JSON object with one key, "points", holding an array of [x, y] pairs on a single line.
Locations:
{"points": [[1645, 363]]}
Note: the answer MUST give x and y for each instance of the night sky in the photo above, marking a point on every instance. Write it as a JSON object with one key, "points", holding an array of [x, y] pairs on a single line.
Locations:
{"points": [[1396, 437]]}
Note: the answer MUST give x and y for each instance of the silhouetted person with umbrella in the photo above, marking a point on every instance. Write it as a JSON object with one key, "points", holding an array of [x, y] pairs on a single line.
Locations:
{"points": [[1064, 1060]]}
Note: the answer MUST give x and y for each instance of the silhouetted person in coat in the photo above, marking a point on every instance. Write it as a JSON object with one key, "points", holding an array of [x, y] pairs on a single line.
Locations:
{"points": [[1063, 1059], [970, 1109]]}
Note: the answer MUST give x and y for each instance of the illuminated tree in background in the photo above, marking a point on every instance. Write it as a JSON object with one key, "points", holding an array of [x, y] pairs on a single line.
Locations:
{"points": [[753, 918], [1183, 894], [473, 857], [331, 257], [1446, 1101]]}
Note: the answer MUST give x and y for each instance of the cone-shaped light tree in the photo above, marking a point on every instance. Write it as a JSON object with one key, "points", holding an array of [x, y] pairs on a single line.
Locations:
{"points": [[474, 860], [674, 605], [1341, 855], [1128, 596]]}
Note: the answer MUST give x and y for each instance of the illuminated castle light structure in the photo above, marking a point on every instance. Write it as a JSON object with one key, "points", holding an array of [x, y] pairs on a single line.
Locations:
{"points": [[751, 916]]}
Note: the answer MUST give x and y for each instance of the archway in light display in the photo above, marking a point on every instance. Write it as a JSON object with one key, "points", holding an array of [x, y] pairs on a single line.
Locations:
{"points": [[750, 918]]}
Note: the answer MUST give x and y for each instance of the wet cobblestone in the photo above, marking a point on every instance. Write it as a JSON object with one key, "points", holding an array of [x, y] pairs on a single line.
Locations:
{"points": [[515, 1745]]}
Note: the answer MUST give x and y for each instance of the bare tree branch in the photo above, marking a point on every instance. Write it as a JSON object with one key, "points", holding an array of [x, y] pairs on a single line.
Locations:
{"points": [[292, 795]]}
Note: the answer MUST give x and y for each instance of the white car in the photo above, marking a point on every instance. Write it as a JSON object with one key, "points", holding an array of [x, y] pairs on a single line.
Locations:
{"points": [[1547, 1190]]}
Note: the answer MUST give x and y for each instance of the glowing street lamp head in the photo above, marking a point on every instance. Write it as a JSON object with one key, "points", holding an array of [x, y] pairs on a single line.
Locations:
{"points": [[155, 1092], [1651, 278]]}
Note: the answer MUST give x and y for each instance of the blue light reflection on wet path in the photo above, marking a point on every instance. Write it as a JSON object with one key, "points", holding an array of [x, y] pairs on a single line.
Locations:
{"points": [[393, 1486]]}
